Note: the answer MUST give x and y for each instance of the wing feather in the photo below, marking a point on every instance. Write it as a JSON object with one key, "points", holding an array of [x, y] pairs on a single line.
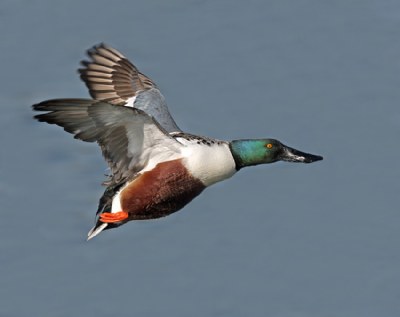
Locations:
{"points": [[128, 137], [111, 77]]}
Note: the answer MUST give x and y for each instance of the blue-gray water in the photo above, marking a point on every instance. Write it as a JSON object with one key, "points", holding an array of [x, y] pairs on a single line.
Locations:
{"points": [[285, 240]]}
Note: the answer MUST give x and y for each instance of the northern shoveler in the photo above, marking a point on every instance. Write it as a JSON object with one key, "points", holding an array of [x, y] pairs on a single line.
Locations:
{"points": [[156, 168]]}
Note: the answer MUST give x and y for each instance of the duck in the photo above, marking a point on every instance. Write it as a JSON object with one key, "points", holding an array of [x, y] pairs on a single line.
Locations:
{"points": [[155, 168]]}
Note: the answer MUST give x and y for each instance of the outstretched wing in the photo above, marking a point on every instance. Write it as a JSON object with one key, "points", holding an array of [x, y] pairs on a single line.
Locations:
{"points": [[128, 137], [111, 77]]}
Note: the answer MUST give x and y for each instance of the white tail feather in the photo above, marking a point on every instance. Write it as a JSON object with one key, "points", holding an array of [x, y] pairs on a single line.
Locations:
{"points": [[96, 230]]}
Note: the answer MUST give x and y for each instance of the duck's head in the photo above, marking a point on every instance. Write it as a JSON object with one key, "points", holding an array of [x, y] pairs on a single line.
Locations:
{"points": [[264, 151]]}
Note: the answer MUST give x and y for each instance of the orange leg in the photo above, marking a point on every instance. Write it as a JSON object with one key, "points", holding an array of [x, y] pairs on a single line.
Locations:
{"points": [[110, 217]]}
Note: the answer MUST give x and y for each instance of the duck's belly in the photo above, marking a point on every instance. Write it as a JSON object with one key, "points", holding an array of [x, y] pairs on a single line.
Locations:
{"points": [[159, 192]]}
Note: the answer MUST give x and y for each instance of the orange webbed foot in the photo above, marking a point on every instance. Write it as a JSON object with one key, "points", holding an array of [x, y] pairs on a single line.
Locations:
{"points": [[111, 217]]}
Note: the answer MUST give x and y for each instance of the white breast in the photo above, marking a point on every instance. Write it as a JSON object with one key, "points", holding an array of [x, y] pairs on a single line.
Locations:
{"points": [[209, 163]]}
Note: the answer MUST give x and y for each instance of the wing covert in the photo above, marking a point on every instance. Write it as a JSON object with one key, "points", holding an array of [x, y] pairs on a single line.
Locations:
{"points": [[111, 77], [128, 137]]}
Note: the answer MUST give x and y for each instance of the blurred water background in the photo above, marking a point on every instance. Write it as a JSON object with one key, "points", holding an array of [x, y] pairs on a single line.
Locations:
{"points": [[285, 240]]}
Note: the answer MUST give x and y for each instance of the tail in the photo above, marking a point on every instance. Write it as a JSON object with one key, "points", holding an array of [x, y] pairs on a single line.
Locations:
{"points": [[99, 227], [105, 205]]}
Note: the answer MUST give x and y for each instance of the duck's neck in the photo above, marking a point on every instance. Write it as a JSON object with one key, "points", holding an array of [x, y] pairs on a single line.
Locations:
{"points": [[247, 152]]}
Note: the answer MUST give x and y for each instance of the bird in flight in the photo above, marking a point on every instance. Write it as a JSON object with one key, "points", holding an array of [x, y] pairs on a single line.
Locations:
{"points": [[156, 168]]}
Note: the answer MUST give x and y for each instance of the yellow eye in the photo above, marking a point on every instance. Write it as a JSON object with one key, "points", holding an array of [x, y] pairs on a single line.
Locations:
{"points": [[269, 145]]}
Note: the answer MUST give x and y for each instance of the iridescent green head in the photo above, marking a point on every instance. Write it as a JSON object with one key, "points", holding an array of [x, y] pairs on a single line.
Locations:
{"points": [[264, 151]]}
